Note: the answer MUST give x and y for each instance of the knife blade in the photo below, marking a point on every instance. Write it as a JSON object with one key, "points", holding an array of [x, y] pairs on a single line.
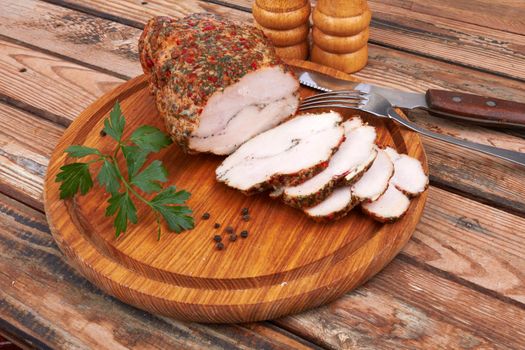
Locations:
{"points": [[483, 110], [328, 83]]}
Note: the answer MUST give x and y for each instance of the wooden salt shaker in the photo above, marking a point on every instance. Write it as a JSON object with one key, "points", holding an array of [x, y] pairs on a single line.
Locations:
{"points": [[340, 34], [286, 23]]}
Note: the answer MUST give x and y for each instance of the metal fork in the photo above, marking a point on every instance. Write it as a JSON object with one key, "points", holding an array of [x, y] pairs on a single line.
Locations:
{"points": [[379, 106]]}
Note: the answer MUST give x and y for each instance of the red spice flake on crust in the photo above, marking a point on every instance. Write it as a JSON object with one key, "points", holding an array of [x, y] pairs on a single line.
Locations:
{"points": [[191, 58]]}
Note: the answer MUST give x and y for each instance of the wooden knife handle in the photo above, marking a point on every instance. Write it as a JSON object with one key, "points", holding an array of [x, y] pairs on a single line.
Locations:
{"points": [[477, 108]]}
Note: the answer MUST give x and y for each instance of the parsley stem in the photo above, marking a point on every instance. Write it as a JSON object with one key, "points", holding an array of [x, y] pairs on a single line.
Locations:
{"points": [[128, 185]]}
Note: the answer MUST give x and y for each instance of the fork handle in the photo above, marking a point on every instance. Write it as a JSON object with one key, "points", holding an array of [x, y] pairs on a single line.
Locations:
{"points": [[512, 156], [477, 108]]}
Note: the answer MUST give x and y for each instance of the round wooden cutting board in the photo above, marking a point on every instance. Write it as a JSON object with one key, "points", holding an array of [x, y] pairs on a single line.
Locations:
{"points": [[287, 264]]}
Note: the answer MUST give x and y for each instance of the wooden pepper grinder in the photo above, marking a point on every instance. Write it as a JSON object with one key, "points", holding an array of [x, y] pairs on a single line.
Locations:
{"points": [[286, 23], [340, 34]]}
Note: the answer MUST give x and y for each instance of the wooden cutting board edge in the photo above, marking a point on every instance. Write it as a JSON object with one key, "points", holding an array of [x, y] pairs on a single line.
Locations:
{"points": [[255, 304]]}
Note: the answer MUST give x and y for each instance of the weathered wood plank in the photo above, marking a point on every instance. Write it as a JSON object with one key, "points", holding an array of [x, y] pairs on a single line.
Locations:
{"points": [[504, 15], [44, 297], [472, 242], [389, 67], [59, 88], [458, 42], [443, 38], [96, 41], [138, 12], [26, 143], [405, 306]]}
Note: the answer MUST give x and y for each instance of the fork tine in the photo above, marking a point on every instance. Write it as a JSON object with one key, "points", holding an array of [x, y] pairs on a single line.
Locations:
{"points": [[335, 97], [328, 105], [353, 102], [339, 93]]}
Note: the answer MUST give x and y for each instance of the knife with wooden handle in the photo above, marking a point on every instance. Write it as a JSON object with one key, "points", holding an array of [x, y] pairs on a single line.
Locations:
{"points": [[483, 110]]}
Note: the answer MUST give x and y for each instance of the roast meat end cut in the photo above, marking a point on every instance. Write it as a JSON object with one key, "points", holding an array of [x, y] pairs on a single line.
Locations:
{"points": [[216, 83]]}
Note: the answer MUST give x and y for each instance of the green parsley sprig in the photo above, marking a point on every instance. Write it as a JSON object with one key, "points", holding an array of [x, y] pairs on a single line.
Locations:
{"points": [[168, 203]]}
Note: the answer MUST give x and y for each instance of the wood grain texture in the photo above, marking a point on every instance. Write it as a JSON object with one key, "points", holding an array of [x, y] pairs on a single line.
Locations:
{"points": [[183, 275], [481, 109], [505, 15], [479, 246], [405, 307], [59, 88], [26, 143], [454, 41], [46, 303], [439, 31], [286, 24]]}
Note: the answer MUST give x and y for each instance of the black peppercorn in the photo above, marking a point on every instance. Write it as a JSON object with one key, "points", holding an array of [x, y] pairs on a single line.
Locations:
{"points": [[205, 216], [244, 234], [217, 238], [246, 217], [244, 211], [216, 225], [233, 237], [219, 246], [102, 133], [230, 229]]}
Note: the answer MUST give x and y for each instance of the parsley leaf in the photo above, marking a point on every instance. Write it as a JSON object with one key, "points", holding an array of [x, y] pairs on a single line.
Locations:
{"points": [[178, 218], [168, 203], [135, 158], [149, 138], [122, 203], [114, 125], [74, 177], [108, 177], [170, 195], [148, 179], [79, 151]]}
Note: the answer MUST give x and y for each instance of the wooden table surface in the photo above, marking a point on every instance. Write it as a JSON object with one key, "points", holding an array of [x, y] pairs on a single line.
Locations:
{"points": [[459, 283]]}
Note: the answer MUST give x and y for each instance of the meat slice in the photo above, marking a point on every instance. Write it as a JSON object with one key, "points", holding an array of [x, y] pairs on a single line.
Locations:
{"points": [[337, 205], [409, 179], [391, 206], [375, 180], [216, 83], [285, 155], [353, 157], [409, 176]]}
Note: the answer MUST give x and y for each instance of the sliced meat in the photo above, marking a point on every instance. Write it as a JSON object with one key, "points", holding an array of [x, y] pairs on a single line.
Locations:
{"points": [[337, 205], [409, 176], [391, 206], [285, 155], [353, 157], [392, 153], [216, 83], [375, 180]]}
